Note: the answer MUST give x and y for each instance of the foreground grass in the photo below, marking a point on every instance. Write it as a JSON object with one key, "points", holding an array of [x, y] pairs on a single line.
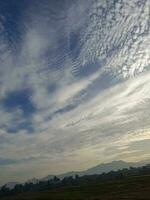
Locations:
{"points": [[131, 188]]}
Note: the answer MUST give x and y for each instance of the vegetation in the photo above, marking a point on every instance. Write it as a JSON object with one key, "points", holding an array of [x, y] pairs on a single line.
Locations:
{"points": [[132, 184]]}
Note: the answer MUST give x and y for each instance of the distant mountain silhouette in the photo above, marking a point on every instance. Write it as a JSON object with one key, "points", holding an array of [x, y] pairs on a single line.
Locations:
{"points": [[11, 185], [101, 168], [107, 167]]}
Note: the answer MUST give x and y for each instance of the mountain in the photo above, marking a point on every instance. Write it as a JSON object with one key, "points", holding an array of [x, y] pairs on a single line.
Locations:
{"points": [[11, 185], [107, 167], [99, 169]]}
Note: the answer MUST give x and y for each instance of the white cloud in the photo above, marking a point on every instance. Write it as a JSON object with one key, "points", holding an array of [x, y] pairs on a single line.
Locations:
{"points": [[118, 34]]}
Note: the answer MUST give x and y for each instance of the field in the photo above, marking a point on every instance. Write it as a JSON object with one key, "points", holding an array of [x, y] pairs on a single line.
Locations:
{"points": [[131, 188]]}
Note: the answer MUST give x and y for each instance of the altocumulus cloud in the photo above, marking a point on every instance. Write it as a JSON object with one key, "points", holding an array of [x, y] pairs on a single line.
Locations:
{"points": [[74, 84]]}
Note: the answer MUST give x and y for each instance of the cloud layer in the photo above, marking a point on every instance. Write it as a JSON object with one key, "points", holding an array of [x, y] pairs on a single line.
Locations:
{"points": [[74, 84]]}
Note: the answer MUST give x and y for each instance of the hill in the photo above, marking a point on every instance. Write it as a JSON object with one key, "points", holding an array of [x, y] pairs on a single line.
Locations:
{"points": [[101, 168]]}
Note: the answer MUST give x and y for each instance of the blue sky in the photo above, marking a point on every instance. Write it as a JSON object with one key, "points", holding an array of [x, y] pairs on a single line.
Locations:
{"points": [[74, 85]]}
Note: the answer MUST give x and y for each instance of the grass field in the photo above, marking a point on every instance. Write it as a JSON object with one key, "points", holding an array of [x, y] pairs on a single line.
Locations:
{"points": [[131, 188]]}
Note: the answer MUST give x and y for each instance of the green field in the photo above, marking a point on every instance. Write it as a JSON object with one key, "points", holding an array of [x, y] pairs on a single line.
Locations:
{"points": [[132, 188]]}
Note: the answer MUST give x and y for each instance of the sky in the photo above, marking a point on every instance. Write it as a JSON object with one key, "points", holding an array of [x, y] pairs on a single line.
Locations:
{"points": [[74, 85]]}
